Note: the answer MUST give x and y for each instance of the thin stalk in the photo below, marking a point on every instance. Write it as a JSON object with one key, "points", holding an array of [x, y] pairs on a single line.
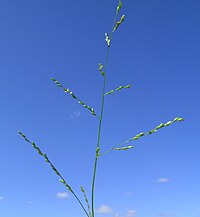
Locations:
{"points": [[98, 145], [76, 198], [101, 117], [80, 204], [55, 170]]}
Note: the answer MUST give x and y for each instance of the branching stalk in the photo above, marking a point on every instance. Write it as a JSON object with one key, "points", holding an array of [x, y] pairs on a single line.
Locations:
{"points": [[62, 180], [121, 146], [102, 106]]}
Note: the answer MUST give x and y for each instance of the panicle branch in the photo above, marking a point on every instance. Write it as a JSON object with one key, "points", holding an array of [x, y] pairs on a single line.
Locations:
{"points": [[67, 90]]}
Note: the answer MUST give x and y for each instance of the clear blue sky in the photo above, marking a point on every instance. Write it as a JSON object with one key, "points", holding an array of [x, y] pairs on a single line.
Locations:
{"points": [[157, 50]]}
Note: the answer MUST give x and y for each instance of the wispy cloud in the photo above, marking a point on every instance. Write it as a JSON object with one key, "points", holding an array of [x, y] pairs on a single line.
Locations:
{"points": [[104, 209], [62, 195], [166, 214], [163, 180], [131, 213], [1, 198], [76, 114], [129, 193]]}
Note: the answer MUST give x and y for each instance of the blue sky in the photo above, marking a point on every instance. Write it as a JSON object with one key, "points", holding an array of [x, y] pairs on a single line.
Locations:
{"points": [[157, 50]]}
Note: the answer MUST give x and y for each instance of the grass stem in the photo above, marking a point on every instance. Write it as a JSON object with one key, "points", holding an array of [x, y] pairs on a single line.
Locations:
{"points": [[101, 114]]}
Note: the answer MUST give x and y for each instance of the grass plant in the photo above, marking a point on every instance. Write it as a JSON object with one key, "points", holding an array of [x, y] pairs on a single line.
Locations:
{"points": [[89, 209]]}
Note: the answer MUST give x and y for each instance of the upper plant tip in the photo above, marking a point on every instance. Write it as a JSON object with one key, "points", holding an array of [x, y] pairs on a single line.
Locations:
{"points": [[20, 132], [179, 119], [119, 6]]}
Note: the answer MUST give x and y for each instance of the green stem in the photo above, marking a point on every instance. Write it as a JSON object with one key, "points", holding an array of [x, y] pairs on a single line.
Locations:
{"points": [[98, 144], [101, 116], [74, 195], [80, 203], [55, 170]]}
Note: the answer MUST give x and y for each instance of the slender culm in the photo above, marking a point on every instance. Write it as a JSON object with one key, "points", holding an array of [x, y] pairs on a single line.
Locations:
{"points": [[123, 146], [108, 40]]}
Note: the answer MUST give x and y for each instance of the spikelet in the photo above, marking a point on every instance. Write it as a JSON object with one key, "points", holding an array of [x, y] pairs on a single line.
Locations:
{"points": [[67, 90], [46, 160], [117, 89]]}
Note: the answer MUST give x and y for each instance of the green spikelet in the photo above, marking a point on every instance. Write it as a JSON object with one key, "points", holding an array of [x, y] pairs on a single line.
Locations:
{"points": [[107, 39], [46, 160], [67, 90], [119, 23], [101, 69], [117, 89], [154, 130], [86, 200], [119, 6]]}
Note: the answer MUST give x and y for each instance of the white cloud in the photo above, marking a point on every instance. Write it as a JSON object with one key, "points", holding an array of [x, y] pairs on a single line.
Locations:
{"points": [[76, 114], [163, 180], [62, 195], [1, 197], [131, 213], [117, 215], [104, 209]]}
